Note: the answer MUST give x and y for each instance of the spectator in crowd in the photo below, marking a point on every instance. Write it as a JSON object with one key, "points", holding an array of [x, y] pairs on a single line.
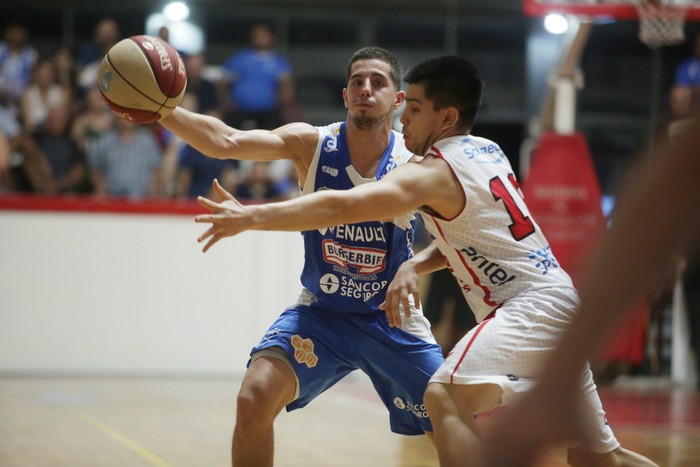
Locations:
{"points": [[17, 60], [258, 185], [196, 172], [5, 154], [281, 172], [93, 121], [65, 69], [125, 162], [287, 182], [67, 161], [202, 88], [107, 33], [28, 169], [259, 83], [41, 95]]}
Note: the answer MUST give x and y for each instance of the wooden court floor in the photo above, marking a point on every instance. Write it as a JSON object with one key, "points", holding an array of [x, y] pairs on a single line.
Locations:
{"points": [[142, 422]]}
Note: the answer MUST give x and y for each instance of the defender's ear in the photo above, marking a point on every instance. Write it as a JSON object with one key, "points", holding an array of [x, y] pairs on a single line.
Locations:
{"points": [[450, 117], [345, 97]]}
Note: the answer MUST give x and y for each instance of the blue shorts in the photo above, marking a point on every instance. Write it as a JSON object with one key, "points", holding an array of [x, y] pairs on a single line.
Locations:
{"points": [[323, 347]]}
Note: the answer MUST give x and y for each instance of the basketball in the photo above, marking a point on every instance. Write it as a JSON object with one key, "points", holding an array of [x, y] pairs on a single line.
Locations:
{"points": [[142, 78]]}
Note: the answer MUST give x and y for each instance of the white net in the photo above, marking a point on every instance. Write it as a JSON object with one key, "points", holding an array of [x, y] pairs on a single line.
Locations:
{"points": [[661, 22]]}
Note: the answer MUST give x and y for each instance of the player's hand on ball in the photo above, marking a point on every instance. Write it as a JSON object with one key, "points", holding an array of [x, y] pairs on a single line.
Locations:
{"points": [[228, 217]]}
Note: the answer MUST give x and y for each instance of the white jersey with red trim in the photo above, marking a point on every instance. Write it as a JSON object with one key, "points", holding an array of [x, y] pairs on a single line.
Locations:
{"points": [[494, 247]]}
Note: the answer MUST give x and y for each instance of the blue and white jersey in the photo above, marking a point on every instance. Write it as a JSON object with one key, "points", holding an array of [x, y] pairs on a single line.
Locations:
{"points": [[348, 267]]}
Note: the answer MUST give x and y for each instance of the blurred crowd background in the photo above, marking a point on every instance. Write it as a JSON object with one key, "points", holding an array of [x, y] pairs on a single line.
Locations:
{"points": [[58, 136], [262, 65]]}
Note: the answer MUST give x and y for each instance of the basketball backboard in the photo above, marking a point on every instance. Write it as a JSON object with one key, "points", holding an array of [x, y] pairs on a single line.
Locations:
{"points": [[617, 9]]}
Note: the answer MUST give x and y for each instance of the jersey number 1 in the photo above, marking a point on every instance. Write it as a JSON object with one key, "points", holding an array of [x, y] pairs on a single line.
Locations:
{"points": [[522, 226]]}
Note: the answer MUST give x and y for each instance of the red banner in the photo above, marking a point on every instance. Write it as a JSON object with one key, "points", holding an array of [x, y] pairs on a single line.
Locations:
{"points": [[563, 194]]}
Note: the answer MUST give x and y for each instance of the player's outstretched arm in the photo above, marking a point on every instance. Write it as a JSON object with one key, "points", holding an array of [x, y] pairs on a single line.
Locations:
{"points": [[404, 189], [405, 283], [212, 137]]}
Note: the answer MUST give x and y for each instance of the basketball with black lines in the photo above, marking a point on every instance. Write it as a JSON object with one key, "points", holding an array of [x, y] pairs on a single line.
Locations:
{"points": [[142, 78]]}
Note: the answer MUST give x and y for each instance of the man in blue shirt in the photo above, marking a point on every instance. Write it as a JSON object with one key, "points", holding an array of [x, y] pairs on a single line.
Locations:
{"points": [[259, 81]]}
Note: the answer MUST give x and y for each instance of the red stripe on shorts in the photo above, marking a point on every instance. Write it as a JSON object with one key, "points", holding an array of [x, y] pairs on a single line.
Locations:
{"points": [[466, 349]]}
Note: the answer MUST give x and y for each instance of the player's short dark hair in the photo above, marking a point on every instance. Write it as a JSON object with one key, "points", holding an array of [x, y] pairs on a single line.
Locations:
{"points": [[450, 81], [377, 53]]}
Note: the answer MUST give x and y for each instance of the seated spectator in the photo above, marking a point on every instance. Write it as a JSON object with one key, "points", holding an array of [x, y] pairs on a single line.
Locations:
{"points": [[17, 60], [28, 169], [125, 162], [258, 185], [92, 122], [286, 178], [196, 172], [67, 161], [5, 154], [40, 96]]}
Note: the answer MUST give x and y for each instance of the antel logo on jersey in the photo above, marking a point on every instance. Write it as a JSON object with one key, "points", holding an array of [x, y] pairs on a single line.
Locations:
{"points": [[329, 283], [418, 411], [492, 270], [366, 260]]}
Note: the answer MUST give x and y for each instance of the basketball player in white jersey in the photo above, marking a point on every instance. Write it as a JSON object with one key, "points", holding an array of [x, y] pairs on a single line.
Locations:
{"points": [[336, 326], [662, 198], [467, 194]]}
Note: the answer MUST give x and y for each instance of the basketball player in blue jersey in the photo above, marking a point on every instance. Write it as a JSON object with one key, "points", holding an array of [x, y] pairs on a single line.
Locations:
{"points": [[336, 327], [467, 194]]}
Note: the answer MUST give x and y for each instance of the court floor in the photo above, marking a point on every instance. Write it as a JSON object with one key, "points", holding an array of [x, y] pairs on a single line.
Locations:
{"points": [[170, 422]]}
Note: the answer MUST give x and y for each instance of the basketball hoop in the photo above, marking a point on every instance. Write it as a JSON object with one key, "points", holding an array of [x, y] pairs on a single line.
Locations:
{"points": [[661, 22]]}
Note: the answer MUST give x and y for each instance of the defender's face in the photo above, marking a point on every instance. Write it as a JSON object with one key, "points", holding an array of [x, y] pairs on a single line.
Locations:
{"points": [[370, 96], [421, 122]]}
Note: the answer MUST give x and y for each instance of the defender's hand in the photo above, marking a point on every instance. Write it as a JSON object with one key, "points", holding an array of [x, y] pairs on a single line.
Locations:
{"points": [[405, 283]]}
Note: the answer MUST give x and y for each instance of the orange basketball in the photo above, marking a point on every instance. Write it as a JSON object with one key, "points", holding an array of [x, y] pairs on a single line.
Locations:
{"points": [[142, 78]]}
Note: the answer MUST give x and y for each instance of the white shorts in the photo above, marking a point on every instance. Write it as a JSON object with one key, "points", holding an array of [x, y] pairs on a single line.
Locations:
{"points": [[508, 350]]}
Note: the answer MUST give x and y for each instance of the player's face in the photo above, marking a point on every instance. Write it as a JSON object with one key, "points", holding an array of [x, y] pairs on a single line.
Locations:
{"points": [[371, 97], [421, 122]]}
